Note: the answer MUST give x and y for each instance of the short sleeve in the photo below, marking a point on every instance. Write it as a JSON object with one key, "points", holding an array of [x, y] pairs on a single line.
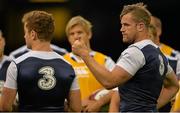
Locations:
{"points": [[75, 85], [11, 76], [109, 63], [131, 60]]}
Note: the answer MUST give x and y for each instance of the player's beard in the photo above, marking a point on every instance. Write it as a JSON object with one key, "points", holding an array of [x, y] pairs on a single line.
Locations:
{"points": [[127, 40]]}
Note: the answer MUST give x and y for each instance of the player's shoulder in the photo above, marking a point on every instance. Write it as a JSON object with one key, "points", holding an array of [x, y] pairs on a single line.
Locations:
{"points": [[58, 49], [19, 50], [142, 44], [43, 55]]}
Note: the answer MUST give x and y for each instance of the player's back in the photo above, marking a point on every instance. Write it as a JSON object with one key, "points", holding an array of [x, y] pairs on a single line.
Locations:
{"points": [[44, 80]]}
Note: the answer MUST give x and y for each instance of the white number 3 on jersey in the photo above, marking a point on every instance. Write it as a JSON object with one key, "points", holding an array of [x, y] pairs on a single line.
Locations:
{"points": [[48, 81]]}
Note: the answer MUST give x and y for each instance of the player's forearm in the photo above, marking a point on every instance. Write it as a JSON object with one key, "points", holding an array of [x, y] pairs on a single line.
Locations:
{"points": [[105, 99], [6, 108], [73, 108], [166, 95], [100, 72], [7, 99], [74, 101], [115, 102]]}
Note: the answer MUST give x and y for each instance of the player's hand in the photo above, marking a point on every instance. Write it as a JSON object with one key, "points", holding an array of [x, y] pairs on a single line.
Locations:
{"points": [[91, 106], [80, 48]]}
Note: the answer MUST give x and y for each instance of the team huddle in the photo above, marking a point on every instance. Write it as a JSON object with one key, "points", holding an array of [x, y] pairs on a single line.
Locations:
{"points": [[41, 76]]}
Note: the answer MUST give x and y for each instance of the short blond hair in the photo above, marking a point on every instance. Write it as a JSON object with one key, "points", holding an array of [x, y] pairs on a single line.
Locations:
{"points": [[152, 31], [139, 12], [0, 33], [156, 22], [78, 20]]}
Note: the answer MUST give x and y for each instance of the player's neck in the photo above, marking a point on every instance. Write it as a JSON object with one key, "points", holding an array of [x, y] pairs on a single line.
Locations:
{"points": [[44, 46], [141, 37], [1, 56]]}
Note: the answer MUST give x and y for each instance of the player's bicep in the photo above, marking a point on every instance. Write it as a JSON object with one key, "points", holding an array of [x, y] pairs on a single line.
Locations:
{"points": [[7, 98], [170, 80], [11, 76], [121, 75], [74, 100]]}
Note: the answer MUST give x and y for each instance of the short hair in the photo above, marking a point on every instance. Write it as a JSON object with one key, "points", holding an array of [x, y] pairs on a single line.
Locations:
{"points": [[152, 31], [1, 33], [157, 22], [41, 22], [139, 12], [78, 20]]}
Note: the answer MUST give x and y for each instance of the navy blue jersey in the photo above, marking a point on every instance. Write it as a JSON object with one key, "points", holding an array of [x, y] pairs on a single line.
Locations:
{"points": [[141, 92], [3, 67], [43, 81]]}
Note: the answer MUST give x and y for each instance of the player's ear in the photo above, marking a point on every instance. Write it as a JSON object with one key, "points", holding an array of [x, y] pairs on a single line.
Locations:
{"points": [[33, 34], [90, 35], [2, 41], [140, 26]]}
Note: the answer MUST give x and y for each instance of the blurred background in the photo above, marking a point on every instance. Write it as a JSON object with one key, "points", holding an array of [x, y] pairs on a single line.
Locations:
{"points": [[104, 15]]}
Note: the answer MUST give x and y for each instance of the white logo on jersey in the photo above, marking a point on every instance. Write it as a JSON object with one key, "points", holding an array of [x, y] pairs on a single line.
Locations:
{"points": [[161, 66], [48, 81], [82, 70]]}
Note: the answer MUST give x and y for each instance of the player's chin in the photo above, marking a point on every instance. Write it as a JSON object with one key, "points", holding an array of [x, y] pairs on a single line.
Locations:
{"points": [[125, 40]]}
